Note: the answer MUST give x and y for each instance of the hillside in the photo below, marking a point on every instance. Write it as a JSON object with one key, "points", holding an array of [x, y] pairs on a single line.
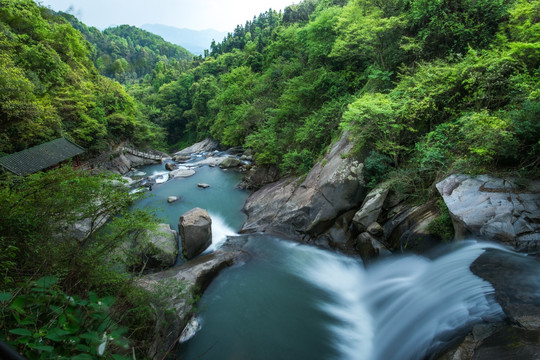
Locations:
{"points": [[126, 53], [51, 88]]}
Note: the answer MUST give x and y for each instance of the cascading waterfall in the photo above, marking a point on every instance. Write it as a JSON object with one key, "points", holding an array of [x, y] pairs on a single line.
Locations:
{"points": [[404, 308], [220, 231], [416, 306]]}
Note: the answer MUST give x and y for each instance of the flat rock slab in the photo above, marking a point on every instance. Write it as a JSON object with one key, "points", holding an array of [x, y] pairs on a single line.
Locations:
{"points": [[182, 173], [195, 275]]}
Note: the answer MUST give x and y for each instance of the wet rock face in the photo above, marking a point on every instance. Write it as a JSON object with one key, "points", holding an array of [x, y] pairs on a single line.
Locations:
{"points": [[516, 281], [494, 209], [195, 228]]}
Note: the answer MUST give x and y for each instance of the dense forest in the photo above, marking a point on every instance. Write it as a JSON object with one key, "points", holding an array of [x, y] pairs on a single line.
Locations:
{"points": [[420, 85], [423, 88], [51, 88], [126, 53]]}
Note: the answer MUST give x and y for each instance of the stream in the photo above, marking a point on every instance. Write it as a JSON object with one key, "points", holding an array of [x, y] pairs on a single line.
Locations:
{"points": [[293, 301]]}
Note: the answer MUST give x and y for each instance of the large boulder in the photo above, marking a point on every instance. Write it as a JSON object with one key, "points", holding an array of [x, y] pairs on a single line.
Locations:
{"points": [[230, 162], [195, 228], [515, 279], [494, 209], [296, 206], [203, 146], [162, 247]]}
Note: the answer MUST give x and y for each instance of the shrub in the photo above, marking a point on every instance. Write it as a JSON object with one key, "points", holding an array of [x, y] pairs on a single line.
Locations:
{"points": [[376, 167]]}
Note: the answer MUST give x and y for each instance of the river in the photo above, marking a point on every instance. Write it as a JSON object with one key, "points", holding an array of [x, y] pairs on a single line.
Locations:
{"points": [[292, 301]]}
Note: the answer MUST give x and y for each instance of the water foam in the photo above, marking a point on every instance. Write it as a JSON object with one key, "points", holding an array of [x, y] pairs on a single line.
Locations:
{"points": [[404, 308], [220, 231]]}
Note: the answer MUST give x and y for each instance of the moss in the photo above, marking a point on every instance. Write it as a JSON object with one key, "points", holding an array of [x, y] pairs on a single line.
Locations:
{"points": [[442, 225]]}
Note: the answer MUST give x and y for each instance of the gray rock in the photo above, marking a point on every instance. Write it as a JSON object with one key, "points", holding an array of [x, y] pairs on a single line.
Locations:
{"points": [[170, 166], [494, 209], [181, 173], [516, 280], [408, 229], [375, 229], [259, 176], [293, 206], [159, 248], [195, 228], [371, 208], [339, 234], [172, 199], [230, 162], [203, 185], [181, 158], [369, 247], [203, 146]]}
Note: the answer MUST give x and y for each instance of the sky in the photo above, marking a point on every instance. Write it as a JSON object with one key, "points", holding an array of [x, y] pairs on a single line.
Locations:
{"points": [[222, 15]]}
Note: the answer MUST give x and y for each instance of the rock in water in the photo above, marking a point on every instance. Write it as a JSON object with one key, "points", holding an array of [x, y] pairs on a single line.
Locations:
{"points": [[230, 162], [195, 228], [170, 166], [182, 173]]}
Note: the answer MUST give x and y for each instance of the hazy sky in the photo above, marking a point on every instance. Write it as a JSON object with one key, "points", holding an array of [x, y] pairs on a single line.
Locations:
{"points": [[221, 15]]}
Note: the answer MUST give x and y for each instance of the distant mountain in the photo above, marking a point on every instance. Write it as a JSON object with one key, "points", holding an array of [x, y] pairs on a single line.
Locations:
{"points": [[193, 40]]}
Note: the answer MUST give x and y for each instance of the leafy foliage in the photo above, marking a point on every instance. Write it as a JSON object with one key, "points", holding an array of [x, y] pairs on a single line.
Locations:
{"points": [[41, 232], [126, 53], [48, 323], [53, 89]]}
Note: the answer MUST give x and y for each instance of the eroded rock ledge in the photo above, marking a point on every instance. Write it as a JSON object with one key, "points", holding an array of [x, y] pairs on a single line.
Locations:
{"points": [[175, 287]]}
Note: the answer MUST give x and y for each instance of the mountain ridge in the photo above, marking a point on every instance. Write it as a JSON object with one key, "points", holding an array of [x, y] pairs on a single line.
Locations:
{"points": [[196, 41]]}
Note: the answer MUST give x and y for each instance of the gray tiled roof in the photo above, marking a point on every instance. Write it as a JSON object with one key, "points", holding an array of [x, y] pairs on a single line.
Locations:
{"points": [[41, 157]]}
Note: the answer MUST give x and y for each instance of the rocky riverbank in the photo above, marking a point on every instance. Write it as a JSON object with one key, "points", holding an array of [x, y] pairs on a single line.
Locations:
{"points": [[332, 207]]}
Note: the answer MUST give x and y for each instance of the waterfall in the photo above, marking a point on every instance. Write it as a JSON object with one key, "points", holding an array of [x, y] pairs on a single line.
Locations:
{"points": [[403, 308]]}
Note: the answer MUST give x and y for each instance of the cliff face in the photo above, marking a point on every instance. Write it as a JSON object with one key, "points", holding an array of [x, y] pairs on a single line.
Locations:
{"points": [[309, 207]]}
